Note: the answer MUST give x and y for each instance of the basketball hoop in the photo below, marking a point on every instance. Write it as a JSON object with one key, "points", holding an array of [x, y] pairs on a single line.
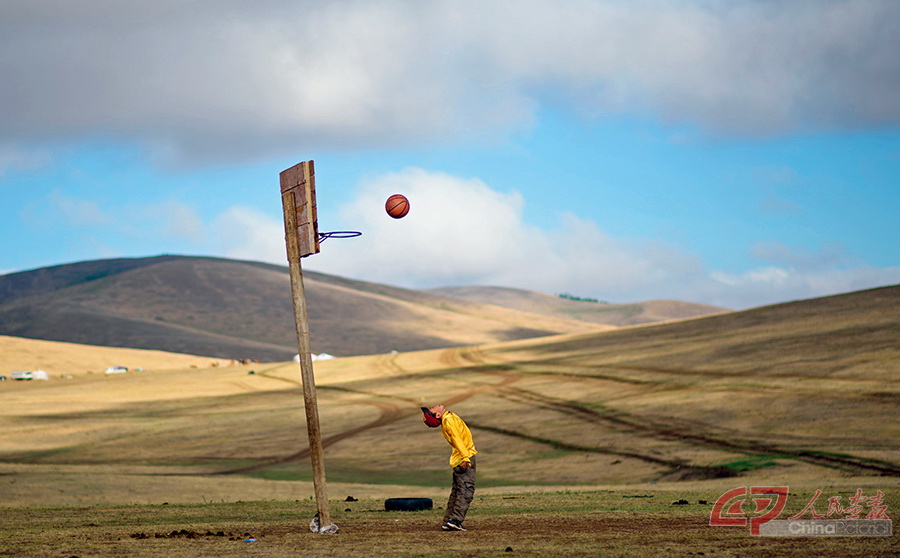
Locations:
{"points": [[323, 236]]}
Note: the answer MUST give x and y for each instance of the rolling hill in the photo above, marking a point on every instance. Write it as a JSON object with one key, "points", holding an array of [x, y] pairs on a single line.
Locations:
{"points": [[801, 394], [242, 310], [584, 310]]}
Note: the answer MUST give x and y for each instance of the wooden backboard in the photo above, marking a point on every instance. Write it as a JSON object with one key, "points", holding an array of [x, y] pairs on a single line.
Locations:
{"points": [[298, 198]]}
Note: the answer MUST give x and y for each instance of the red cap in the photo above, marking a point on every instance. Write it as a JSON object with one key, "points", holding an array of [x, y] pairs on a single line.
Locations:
{"points": [[430, 419]]}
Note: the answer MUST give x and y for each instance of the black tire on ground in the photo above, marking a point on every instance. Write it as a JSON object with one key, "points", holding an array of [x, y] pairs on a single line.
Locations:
{"points": [[408, 504]]}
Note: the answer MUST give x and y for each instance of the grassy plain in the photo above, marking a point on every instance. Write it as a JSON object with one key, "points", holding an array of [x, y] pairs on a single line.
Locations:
{"points": [[802, 395], [618, 522]]}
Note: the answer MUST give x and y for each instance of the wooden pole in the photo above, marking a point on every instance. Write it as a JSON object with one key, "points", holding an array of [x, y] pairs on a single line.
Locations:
{"points": [[301, 321]]}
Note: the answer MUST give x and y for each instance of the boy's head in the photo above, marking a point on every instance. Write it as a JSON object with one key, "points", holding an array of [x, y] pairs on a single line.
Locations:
{"points": [[433, 415]]}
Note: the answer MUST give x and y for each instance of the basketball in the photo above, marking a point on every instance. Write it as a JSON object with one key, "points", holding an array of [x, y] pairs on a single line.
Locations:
{"points": [[397, 206]]}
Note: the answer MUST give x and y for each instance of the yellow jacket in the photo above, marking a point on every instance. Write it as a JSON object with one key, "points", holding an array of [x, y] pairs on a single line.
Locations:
{"points": [[460, 438]]}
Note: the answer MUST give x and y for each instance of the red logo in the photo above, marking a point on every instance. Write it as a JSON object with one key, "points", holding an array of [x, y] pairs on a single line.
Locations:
{"points": [[769, 501]]}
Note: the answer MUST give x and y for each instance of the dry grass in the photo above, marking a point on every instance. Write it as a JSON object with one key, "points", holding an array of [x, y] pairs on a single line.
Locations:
{"points": [[597, 523], [776, 395], [61, 359]]}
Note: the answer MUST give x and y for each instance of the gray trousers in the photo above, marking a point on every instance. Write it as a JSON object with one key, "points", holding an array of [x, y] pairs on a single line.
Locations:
{"points": [[462, 492]]}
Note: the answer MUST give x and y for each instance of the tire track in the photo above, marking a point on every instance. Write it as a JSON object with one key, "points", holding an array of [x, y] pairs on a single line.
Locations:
{"points": [[571, 363], [244, 386], [557, 444], [389, 412], [470, 360], [644, 427], [665, 431]]}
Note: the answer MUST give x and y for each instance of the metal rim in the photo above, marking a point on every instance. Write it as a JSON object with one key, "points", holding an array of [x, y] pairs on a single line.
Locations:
{"points": [[338, 234]]}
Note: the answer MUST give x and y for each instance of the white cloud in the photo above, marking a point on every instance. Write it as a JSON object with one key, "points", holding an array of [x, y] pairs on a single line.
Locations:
{"points": [[772, 203], [164, 220], [15, 158], [457, 229], [769, 276], [246, 233], [794, 274], [460, 231], [103, 229], [234, 79], [829, 256], [170, 220], [77, 212], [768, 285]]}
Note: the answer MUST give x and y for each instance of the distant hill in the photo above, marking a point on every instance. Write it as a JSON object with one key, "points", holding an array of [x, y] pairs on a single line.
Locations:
{"points": [[582, 310], [239, 309]]}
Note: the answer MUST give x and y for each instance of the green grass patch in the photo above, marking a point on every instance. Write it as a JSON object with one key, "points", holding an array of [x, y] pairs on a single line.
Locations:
{"points": [[754, 462]]}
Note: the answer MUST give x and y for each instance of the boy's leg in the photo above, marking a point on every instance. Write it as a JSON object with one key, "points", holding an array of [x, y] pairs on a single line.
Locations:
{"points": [[462, 493], [451, 501]]}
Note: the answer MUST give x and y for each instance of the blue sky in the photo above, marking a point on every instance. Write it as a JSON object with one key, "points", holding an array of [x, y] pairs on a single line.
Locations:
{"points": [[731, 153]]}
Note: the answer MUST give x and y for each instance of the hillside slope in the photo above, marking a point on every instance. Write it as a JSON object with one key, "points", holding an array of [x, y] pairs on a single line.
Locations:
{"points": [[236, 309], [588, 311]]}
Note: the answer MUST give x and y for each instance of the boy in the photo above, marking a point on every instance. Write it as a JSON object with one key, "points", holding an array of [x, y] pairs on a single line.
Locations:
{"points": [[462, 460]]}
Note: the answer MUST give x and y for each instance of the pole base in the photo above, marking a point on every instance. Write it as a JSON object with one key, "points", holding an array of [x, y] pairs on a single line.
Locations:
{"points": [[327, 530]]}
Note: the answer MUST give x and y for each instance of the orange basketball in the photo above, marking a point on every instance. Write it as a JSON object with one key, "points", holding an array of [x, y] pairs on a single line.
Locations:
{"points": [[397, 206]]}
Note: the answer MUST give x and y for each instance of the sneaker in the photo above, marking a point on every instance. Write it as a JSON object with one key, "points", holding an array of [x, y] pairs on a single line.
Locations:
{"points": [[452, 526]]}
